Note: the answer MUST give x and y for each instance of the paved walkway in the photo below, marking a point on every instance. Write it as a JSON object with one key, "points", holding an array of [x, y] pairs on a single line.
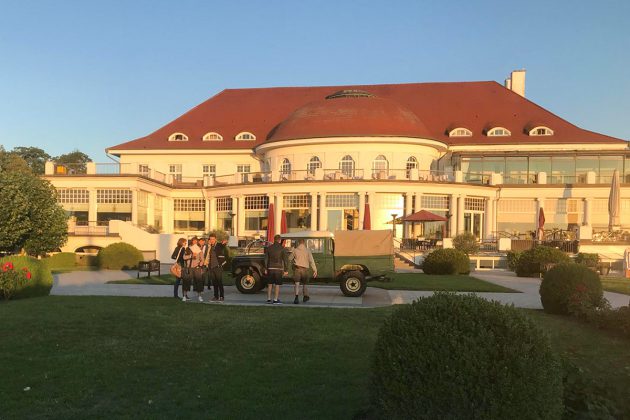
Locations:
{"points": [[94, 283]]}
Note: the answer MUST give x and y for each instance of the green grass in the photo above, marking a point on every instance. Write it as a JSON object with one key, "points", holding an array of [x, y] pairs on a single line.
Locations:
{"points": [[616, 284], [159, 358], [167, 279], [459, 283]]}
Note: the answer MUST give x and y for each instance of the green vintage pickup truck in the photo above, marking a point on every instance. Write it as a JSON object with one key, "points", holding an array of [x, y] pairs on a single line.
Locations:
{"points": [[350, 258]]}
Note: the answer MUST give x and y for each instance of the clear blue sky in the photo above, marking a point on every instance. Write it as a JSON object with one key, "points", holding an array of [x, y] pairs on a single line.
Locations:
{"points": [[92, 74]]}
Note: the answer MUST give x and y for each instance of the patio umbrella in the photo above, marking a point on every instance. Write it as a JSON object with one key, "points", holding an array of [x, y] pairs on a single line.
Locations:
{"points": [[367, 219], [613, 202], [283, 222], [271, 223], [541, 224], [423, 216]]}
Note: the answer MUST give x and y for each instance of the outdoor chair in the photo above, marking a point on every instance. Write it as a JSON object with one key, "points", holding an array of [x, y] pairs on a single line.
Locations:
{"points": [[149, 267]]}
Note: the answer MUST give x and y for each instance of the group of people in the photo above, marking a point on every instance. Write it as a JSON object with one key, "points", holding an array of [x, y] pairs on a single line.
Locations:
{"points": [[202, 263]]}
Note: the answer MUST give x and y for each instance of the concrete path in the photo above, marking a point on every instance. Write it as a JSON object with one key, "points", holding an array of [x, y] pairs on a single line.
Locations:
{"points": [[94, 283]]}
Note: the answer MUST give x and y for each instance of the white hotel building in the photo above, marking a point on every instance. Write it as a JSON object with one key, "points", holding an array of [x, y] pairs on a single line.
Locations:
{"points": [[477, 152]]}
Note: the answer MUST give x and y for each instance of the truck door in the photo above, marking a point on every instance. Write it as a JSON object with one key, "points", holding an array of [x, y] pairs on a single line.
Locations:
{"points": [[320, 248]]}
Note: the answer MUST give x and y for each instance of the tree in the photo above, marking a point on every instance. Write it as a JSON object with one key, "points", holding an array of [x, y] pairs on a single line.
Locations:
{"points": [[75, 160], [10, 162], [34, 156], [32, 219]]}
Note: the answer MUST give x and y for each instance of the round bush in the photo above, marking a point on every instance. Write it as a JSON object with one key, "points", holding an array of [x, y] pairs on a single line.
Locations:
{"points": [[41, 279], [534, 261], [446, 261], [568, 287], [119, 256], [466, 242], [460, 356]]}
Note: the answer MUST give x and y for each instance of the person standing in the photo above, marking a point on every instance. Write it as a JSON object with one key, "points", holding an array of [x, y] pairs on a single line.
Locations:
{"points": [[276, 265], [202, 255], [302, 260], [178, 256], [214, 259], [197, 267]]}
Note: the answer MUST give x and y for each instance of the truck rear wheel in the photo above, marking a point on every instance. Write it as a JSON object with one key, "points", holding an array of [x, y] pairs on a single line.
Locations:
{"points": [[248, 282], [353, 284]]}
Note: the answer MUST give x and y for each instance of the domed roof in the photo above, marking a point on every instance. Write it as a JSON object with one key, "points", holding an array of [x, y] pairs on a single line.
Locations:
{"points": [[350, 113]]}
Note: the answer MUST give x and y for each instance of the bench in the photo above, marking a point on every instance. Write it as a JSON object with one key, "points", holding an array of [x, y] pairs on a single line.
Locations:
{"points": [[148, 267]]}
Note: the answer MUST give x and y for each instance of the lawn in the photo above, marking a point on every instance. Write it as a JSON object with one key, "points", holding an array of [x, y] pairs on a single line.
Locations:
{"points": [[460, 283], [616, 284]]}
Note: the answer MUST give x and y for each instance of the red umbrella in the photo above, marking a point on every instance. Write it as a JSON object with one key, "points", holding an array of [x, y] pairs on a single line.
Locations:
{"points": [[367, 221], [271, 223], [424, 216], [541, 224], [283, 222]]}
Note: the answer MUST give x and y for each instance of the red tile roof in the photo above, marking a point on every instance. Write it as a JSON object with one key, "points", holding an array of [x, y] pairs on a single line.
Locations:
{"points": [[273, 114]]}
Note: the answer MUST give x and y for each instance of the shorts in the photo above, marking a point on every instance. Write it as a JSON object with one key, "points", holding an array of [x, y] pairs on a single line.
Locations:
{"points": [[300, 275], [275, 277]]}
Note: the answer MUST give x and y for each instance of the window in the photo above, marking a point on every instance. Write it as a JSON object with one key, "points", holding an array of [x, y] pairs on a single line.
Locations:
{"points": [[434, 202], [112, 196], [73, 196], [285, 167], [460, 132], [474, 204], [347, 165], [301, 201], [541, 131], [224, 204], [143, 169], [212, 136], [412, 163], [175, 169], [380, 165], [499, 132], [313, 164], [178, 137], [243, 170], [209, 169], [189, 213], [342, 200], [223, 218], [245, 136], [256, 210], [256, 202]]}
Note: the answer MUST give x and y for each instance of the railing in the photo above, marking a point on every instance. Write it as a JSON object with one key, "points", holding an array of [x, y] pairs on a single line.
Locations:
{"points": [[88, 228], [525, 244], [342, 174], [477, 178]]}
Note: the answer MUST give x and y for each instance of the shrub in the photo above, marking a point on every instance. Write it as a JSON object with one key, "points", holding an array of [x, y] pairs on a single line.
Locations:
{"points": [[119, 256], [460, 356], [220, 234], [62, 261], [446, 261], [570, 288], [86, 260], [589, 260], [466, 242], [536, 260], [41, 280], [583, 398], [617, 320], [512, 259]]}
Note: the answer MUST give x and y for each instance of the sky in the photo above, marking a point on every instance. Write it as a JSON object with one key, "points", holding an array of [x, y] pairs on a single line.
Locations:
{"points": [[87, 75]]}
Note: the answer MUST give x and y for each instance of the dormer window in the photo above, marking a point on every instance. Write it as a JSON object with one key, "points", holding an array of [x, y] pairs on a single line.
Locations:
{"points": [[499, 132], [460, 132], [541, 131], [245, 135], [212, 136], [178, 137]]}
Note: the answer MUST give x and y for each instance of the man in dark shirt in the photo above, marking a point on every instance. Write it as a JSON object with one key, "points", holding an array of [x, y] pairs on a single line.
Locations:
{"points": [[214, 259], [276, 265]]}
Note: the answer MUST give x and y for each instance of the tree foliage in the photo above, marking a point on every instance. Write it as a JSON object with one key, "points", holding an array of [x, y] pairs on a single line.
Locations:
{"points": [[10, 162], [34, 156], [76, 160], [30, 217]]}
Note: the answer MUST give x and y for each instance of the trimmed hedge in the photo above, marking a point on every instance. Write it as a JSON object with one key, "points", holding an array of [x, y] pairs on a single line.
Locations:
{"points": [[460, 356], [512, 259], [119, 256], [587, 259], [466, 242], [534, 261], [570, 288], [446, 261], [41, 281], [70, 260]]}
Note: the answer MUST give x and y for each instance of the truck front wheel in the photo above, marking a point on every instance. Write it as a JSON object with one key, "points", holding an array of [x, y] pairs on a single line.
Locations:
{"points": [[248, 282], [353, 284]]}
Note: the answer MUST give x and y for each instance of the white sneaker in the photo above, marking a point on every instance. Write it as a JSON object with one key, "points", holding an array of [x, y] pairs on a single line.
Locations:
{"points": [[200, 298], [184, 299]]}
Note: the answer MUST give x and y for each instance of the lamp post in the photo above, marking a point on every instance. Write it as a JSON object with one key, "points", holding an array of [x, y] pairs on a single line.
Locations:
{"points": [[448, 216], [232, 223], [394, 215]]}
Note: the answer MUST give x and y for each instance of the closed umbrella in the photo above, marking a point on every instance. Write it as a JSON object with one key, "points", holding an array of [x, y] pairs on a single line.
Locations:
{"points": [[541, 224], [271, 223], [283, 222], [367, 219], [614, 202]]}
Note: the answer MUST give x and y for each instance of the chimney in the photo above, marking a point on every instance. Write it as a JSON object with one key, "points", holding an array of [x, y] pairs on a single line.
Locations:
{"points": [[516, 82]]}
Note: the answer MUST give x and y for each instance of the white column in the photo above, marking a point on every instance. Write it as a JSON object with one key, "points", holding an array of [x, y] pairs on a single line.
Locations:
{"points": [[313, 211], [234, 220], [460, 213], [323, 213], [361, 209], [240, 215], [278, 210], [167, 214], [206, 214], [212, 213], [417, 202], [489, 217], [453, 220], [134, 206], [151, 209], [92, 207], [588, 211], [408, 206]]}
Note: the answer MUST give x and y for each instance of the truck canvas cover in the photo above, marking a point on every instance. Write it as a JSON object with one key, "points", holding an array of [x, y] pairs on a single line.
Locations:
{"points": [[357, 243]]}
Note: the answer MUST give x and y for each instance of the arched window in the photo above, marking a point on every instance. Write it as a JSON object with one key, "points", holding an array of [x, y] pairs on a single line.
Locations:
{"points": [[313, 164], [346, 164], [499, 132], [541, 131], [245, 135], [285, 167], [212, 136], [460, 132], [380, 165], [178, 137], [412, 163]]}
